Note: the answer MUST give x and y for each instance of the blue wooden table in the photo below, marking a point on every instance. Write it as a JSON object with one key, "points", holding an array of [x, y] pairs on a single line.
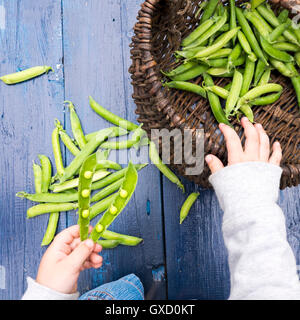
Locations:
{"points": [[87, 44]]}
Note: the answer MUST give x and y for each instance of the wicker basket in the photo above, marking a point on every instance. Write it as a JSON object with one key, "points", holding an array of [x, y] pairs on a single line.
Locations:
{"points": [[161, 26]]}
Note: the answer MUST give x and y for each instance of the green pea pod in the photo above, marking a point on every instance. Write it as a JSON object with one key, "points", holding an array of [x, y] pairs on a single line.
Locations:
{"points": [[50, 207], [246, 46], [282, 68], [186, 86], [46, 172], [123, 238], [25, 74], [219, 91], [68, 142], [76, 126], [57, 152], [37, 173], [218, 44], [265, 77], [247, 111], [209, 10], [107, 190], [234, 93], [275, 53], [111, 117], [108, 244], [85, 152], [235, 53], [117, 133], [250, 16], [214, 101], [185, 209], [250, 35], [248, 76], [259, 70], [297, 58], [101, 206], [296, 84], [180, 69], [219, 23], [278, 31], [256, 3], [126, 191], [220, 72], [202, 28], [187, 54], [224, 52], [269, 99], [286, 46], [48, 197], [84, 194], [51, 228], [191, 73], [232, 20], [283, 15]]}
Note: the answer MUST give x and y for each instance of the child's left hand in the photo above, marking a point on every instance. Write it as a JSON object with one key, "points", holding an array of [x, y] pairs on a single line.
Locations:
{"points": [[66, 257]]}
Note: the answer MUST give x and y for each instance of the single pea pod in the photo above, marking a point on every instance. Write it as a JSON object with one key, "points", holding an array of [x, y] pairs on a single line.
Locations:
{"points": [[269, 99], [214, 101], [48, 197], [278, 31], [286, 46], [51, 228], [234, 93], [68, 142], [246, 46], [180, 69], [250, 35], [282, 68], [265, 77], [123, 238], [101, 206], [185, 209], [222, 62], [275, 53], [248, 76], [186, 54], [155, 159], [247, 111], [25, 74], [232, 19], [218, 44], [50, 207], [256, 3], [37, 173], [220, 72], [125, 193], [85, 152], [186, 86], [84, 194], [224, 52], [259, 91], [111, 117], [283, 16], [219, 91], [57, 152], [76, 126], [209, 10], [235, 53], [192, 73], [250, 16], [111, 188], [203, 27], [259, 70], [46, 172], [117, 133]]}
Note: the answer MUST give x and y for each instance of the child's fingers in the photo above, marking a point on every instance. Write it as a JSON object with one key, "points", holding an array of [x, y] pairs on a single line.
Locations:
{"points": [[264, 143], [213, 163], [95, 258], [233, 143], [252, 140], [276, 154], [66, 236]]}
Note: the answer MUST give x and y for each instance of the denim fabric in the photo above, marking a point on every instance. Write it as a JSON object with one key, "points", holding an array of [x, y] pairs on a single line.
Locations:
{"points": [[126, 288]]}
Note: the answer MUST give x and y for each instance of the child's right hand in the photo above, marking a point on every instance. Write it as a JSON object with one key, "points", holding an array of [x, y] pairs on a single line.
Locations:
{"points": [[257, 147]]}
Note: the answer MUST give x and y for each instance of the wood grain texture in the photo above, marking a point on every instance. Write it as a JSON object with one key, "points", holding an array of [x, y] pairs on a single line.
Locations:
{"points": [[96, 54], [32, 36]]}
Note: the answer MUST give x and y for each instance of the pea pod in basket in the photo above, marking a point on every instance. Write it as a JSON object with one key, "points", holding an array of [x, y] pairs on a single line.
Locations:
{"points": [[125, 192]]}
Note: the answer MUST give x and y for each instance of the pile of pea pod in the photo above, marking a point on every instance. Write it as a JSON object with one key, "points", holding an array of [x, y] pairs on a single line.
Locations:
{"points": [[90, 171], [244, 43]]}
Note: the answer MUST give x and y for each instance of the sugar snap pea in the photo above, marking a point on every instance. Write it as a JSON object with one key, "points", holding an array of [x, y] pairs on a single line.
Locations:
{"points": [[224, 52], [48, 197], [250, 35], [51, 228], [25, 74], [76, 126], [86, 151], [246, 46], [220, 72], [219, 91], [234, 93], [203, 27], [218, 44], [185, 209], [186, 86], [222, 62], [117, 133], [191, 73], [259, 70], [250, 16], [101, 206], [46, 172], [50, 207], [214, 101], [57, 152], [111, 117], [283, 15], [247, 111], [269, 99], [286, 46], [278, 31], [209, 10], [186, 54], [155, 159], [248, 76], [180, 69], [119, 203], [37, 173], [107, 190], [66, 139], [265, 77], [232, 20], [282, 68], [256, 3], [235, 53], [123, 238], [275, 53], [84, 194], [108, 244]]}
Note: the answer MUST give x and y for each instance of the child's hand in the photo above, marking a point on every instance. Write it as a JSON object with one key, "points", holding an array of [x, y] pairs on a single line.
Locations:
{"points": [[65, 258], [257, 147]]}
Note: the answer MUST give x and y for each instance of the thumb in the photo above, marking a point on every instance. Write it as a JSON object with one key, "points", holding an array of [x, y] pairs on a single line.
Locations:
{"points": [[78, 256], [214, 163]]}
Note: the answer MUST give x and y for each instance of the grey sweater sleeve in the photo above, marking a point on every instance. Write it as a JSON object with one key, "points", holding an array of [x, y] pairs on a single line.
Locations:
{"points": [[261, 262], [36, 291]]}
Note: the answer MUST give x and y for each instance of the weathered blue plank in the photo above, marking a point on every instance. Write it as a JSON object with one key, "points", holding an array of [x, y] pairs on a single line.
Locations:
{"points": [[195, 251], [30, 35], [96, 54]]}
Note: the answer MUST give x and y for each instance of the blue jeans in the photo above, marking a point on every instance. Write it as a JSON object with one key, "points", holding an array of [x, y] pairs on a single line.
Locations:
{"points": [[126, 288]]}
